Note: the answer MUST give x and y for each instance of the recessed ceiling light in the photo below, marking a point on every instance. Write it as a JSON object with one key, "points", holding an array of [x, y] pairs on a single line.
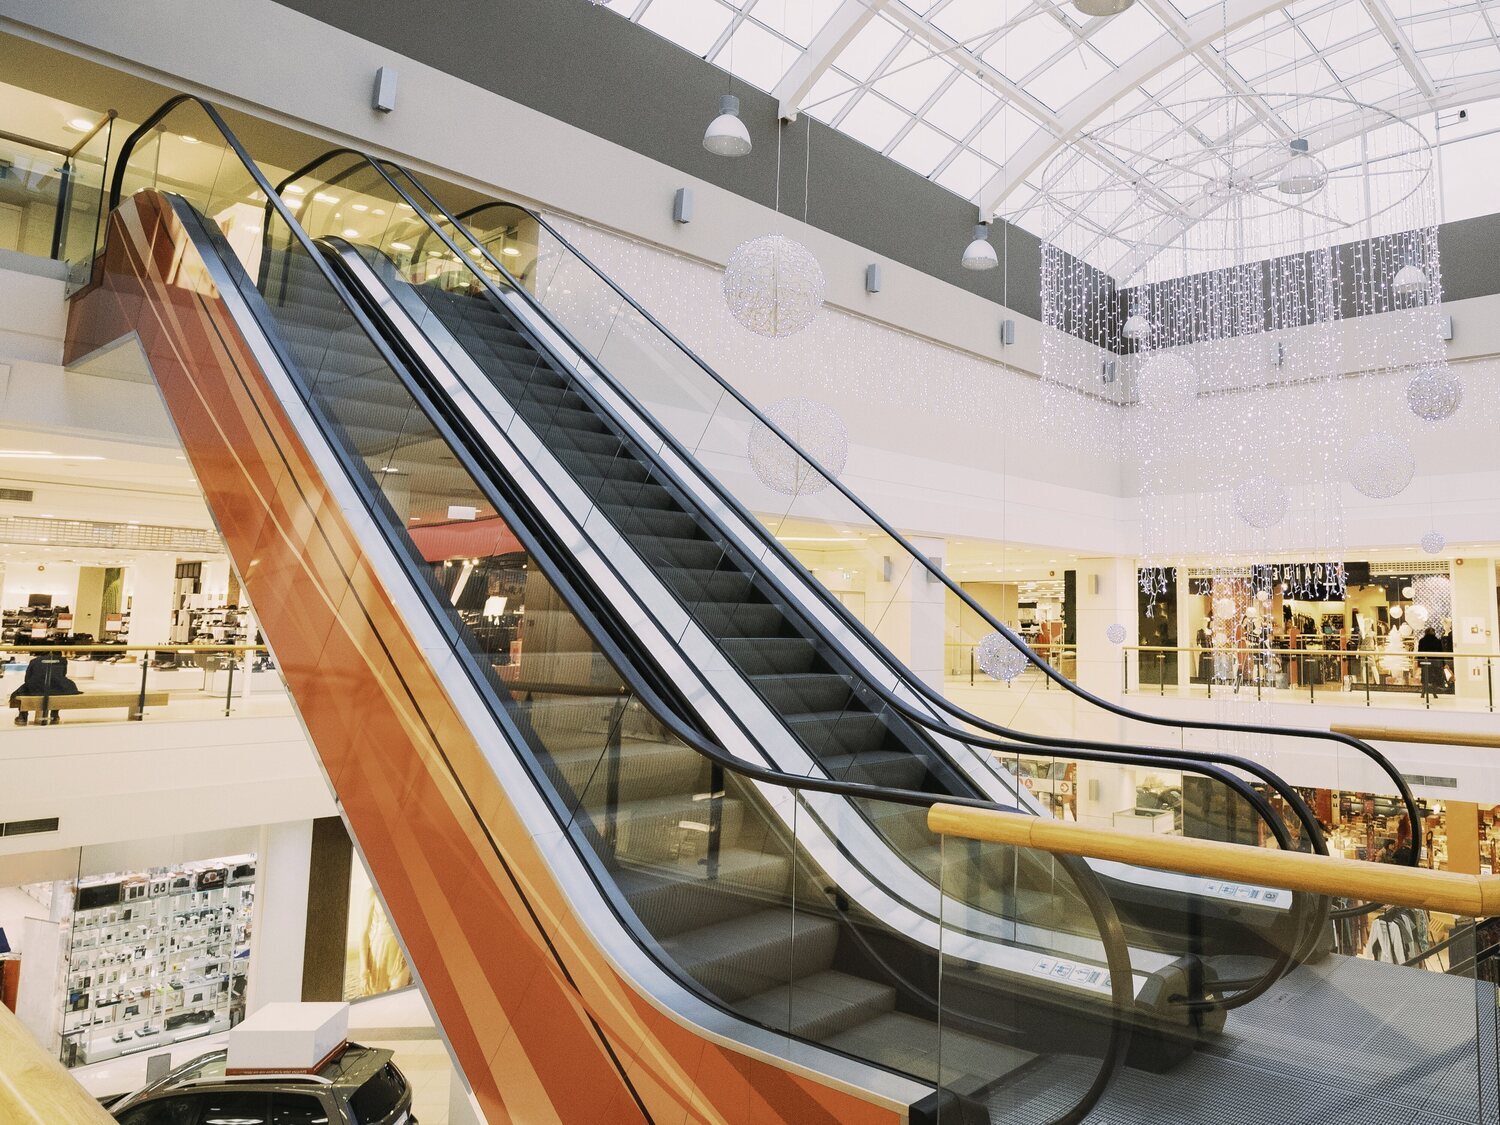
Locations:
{"points": [[80, 124], [187, 140], [377, 210], [360, 206], [400, 246], [350, 232], [296, 189], [511, 252], [324, 197]]}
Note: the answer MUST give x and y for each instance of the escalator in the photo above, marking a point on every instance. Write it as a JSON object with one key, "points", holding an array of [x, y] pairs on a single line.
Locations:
{"points": [[625, 894]]}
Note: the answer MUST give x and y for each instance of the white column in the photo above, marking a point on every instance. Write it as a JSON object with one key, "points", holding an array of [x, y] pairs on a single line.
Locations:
{"points": [[1474, 626], [906, 613], [151, 580], [283, 869], [1106, 596], [1185, 660]]}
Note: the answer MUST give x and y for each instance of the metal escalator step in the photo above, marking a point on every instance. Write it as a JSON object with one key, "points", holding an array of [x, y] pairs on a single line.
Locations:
{"points": [[669, 550], [755, 953], [626, 495], [727, 587], [894, 769], [584, 441], [645, 770], [655, 521], [659, 829], [758, 655], [793, 693], [917, 1046], [689, 894], [904, 825], [744, 620], [839, 732], [821, 1005]]}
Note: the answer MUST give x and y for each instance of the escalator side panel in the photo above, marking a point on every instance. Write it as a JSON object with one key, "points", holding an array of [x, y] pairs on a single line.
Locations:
{"points": [[542, 1025]]}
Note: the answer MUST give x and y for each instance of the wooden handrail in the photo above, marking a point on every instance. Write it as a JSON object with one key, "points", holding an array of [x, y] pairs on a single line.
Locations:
{"points": [[34, 1087], [1430, 737], [1476, 896], [133, 648]]}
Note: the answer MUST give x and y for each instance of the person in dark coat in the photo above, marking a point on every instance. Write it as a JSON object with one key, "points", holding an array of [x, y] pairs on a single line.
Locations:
{"points": [[1432, 666], [47, 674]]}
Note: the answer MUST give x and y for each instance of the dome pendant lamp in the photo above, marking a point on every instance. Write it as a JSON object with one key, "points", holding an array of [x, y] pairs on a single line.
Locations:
{"points": [[1102, 7], [1303, 173], [1409, 281], [726, 134], [979, 254]]}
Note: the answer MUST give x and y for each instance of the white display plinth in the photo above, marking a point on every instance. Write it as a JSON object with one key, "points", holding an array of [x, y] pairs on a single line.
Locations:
{"points": [[282, 1038]]}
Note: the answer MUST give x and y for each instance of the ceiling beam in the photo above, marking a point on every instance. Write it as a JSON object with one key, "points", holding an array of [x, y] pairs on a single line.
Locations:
{"points": [[848, 20], [1396, 36], [1059, 130]]}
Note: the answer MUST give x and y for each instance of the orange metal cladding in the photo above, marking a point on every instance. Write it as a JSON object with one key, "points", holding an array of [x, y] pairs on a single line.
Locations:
{"points": [[524, 994]]}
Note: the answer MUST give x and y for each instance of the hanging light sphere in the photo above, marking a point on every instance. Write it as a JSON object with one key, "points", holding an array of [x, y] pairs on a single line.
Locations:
{"points": [[773, 285], [1434, 542], [1303, 173], [1116, 634], [1435, 393], [1261, 501], [1396, 612], [814, 427], [999, 659], [980, 254], [1136, 327], [1165, 379], [726, 134], [1263, 595], [1409, 281], [1102, 7], [1408, 592], [1381, 465], [1418, 616], [1223, 607]]}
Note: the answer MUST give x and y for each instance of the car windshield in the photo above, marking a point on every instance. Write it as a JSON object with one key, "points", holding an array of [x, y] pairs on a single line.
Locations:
{"points": [[379, 1096]]}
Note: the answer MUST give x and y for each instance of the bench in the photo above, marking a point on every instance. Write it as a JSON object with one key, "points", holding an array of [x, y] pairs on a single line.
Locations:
{"points": [[1431, 737], [91, 700]]}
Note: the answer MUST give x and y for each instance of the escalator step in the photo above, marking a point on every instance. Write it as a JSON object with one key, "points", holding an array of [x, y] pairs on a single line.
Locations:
{"points": [[761, 655], [821, 1005], [756, 953], [646, 770], [695, 554], [911, 1044], [670, 900], [746, 620], [727, 587], [828, 733], [792, 693], [661, 828], [893, 769]]}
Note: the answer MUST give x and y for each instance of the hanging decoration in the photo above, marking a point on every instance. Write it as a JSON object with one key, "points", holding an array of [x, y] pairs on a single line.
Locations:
{"points": [[816, 428], [1261, 501], [1381, 465], [773, 285], [1434, 542], [999, 659], [1116, 634], [1435, 393]]}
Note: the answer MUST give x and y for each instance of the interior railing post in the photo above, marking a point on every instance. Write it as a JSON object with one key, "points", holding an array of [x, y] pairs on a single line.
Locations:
{"points": [[140, 703], [229, 691]]}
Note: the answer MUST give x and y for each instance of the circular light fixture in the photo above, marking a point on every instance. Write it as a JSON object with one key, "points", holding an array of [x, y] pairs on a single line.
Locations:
{"points": [[1381, 465], [1261, 501], [1303, 173], [1165, 378], [1408, 592], [1396, 612], [1116, 634], [1409, 281], [817, 429], [979, 254], [1136, 327], [1418, 616], [1223, 607], [726, 134], [1435, 393], [1100, 8], [1434, 542], [999, 659], [773, 285]]}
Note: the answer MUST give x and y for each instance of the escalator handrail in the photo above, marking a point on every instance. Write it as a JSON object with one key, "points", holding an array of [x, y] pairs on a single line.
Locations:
{"points": [[1407, 797], [1094, 749], [1111, 935]]}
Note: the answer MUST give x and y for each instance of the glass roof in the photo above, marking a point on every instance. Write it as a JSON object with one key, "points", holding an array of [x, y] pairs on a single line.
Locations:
{"points": [[981, 96]]}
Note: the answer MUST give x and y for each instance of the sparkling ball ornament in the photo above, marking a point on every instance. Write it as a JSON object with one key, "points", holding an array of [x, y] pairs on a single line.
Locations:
{"points": [[773, 285], [1261, 501], [1434, 542], [1381, 465], [1435, 393], [1166, 379], [1000, 659], [1418, 616], [815, 428], [1116, 634], [1223, 607]]}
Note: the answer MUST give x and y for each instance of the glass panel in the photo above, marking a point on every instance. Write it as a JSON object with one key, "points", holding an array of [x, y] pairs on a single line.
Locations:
{"points": [[31, 183]]}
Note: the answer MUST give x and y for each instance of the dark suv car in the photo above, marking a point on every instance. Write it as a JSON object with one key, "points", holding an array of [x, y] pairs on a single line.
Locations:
{"points": [[360, 1087]]}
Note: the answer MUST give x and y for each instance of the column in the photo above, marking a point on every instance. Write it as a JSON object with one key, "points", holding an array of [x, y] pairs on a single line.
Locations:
{"points": [[1474, 628], [1461, 820], [1107, 596], [283, 875], [906, 613], [151, 581]]}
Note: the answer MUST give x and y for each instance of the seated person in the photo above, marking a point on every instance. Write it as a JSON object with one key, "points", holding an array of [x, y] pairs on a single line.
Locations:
{"points": [[47, 674]]}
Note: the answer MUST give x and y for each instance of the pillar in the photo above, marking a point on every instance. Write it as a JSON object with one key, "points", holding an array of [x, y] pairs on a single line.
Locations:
{"points": [[1461, 820], [1107, 596], [283, 876], [327, 928], [151, 581], [1475, 628], [906, 613]]}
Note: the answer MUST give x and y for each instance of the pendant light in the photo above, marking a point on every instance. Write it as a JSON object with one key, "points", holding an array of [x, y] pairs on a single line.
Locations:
{"points": [[1136, 326], [726, 134], [979, 254], [1303, 173], [1409, 281], [1102, 7]]}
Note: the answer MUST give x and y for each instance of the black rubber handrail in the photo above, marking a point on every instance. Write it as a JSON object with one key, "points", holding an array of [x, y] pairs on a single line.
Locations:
{"points": [[1408, 799], [1087, 751], [1111, 933]]}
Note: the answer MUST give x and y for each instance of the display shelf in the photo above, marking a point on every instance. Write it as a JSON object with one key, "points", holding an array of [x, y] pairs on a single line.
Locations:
{"points": [[156, 957]]}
